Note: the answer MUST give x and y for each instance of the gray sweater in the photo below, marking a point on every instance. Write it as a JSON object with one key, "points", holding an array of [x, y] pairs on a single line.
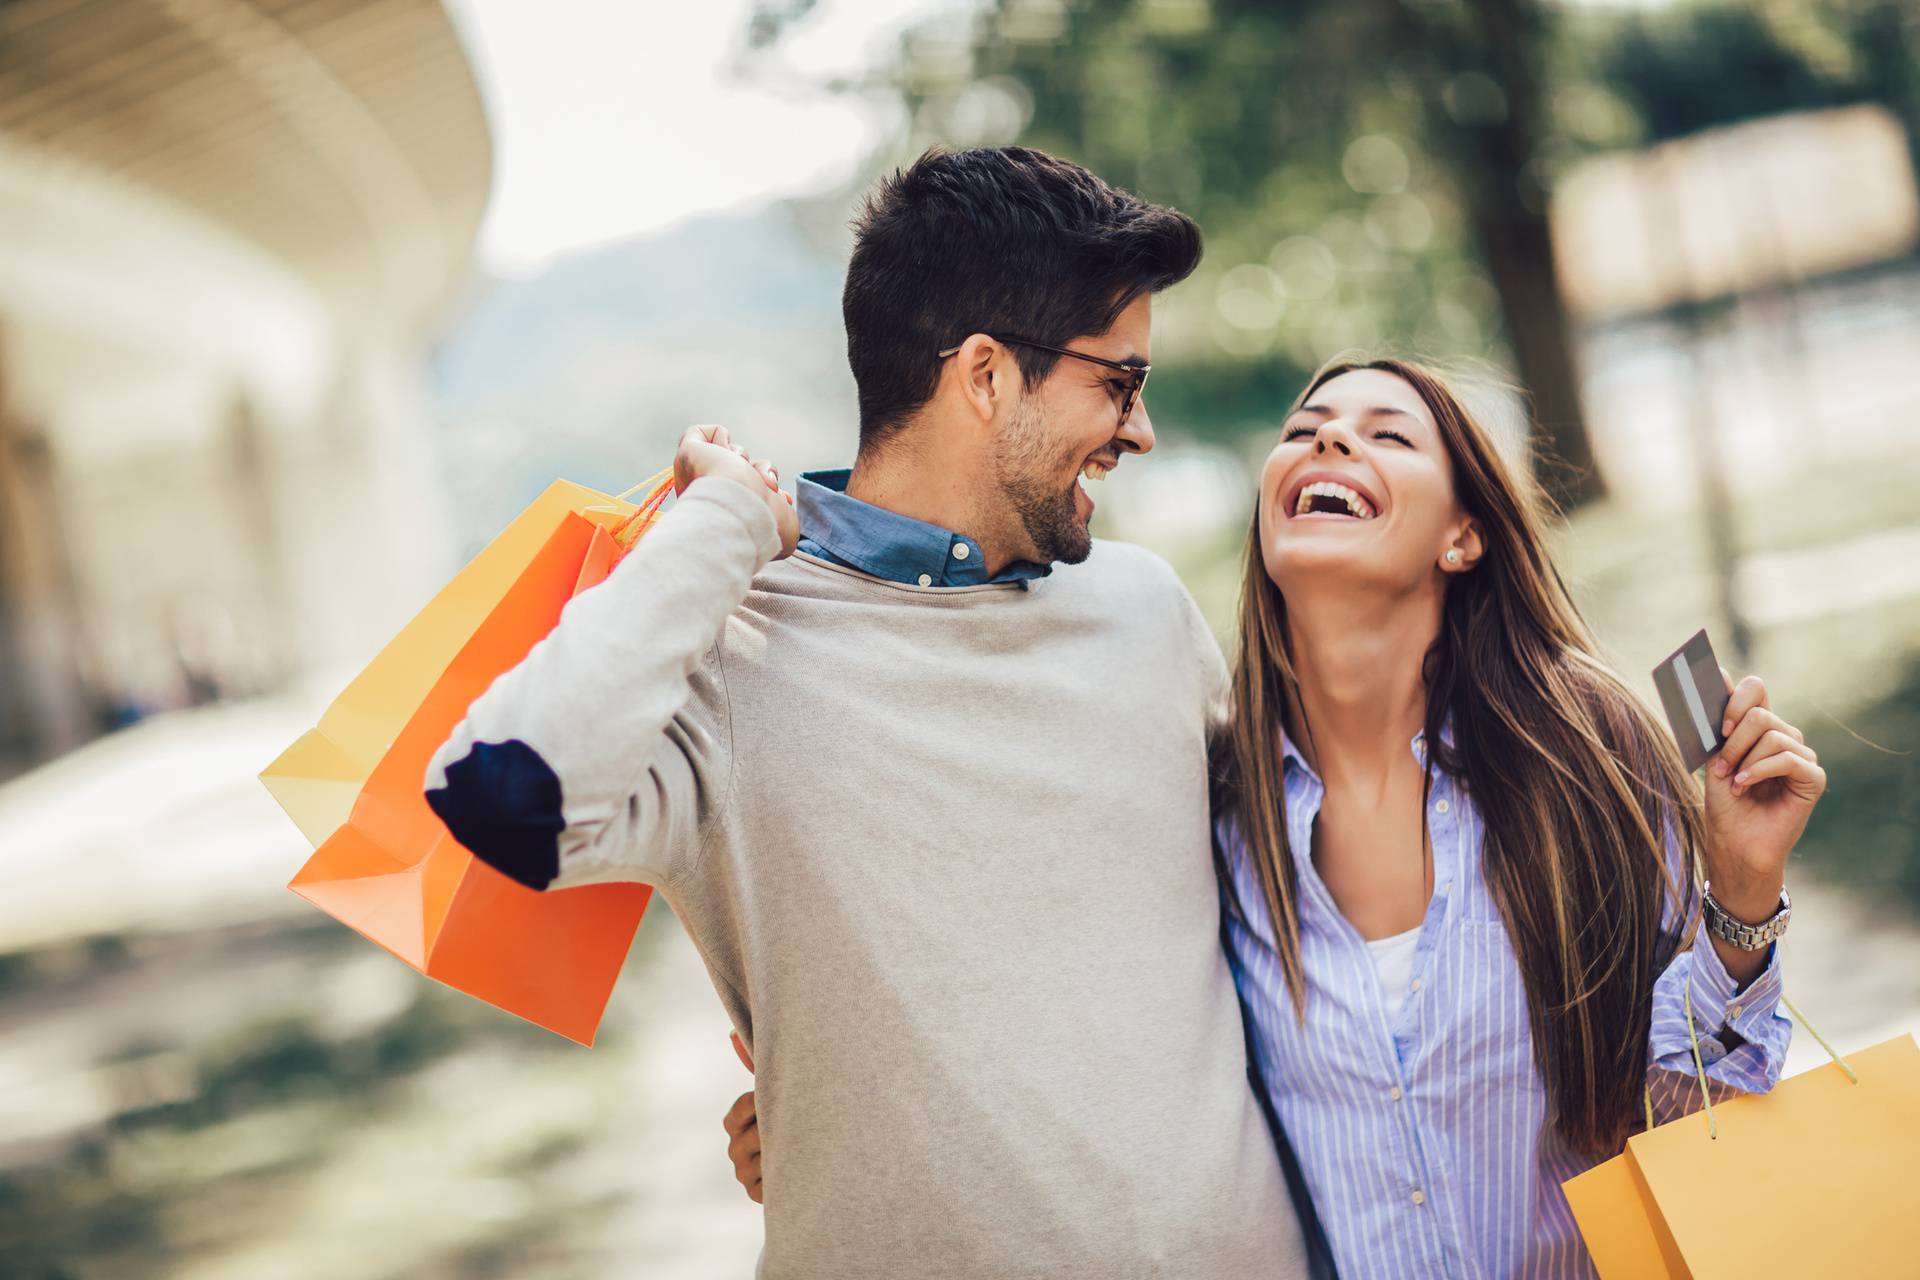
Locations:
{"points": [[945, 853]]}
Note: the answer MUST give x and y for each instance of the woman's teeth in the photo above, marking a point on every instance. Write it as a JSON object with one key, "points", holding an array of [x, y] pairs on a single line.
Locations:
{"points": [[1355, 505]]}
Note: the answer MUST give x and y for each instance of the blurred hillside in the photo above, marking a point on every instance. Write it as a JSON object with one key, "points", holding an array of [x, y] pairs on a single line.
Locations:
{"points": [[594, 366]]}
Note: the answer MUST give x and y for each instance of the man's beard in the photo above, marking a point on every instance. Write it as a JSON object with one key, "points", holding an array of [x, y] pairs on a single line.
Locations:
{"points": [[1027, 470]]}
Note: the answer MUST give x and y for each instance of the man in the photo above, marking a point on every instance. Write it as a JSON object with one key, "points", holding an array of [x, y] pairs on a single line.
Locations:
{"points": [[934, 812]]}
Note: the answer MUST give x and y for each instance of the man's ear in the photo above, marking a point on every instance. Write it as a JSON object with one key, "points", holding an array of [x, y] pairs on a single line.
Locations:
{"points": [[987, 374]]}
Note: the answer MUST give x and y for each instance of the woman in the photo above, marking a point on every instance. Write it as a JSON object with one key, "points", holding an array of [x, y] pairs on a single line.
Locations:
{"points": [[1478, 847], [1458, 858]]}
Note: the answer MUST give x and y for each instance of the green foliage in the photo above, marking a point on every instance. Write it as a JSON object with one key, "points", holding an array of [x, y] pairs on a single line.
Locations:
{"points": [[1757, 61], [1295, 134], [1866, 829], [1348, 158], [1226, 401]]}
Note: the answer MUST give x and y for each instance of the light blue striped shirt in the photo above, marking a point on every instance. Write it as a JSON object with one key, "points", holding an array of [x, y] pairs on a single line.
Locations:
{"points": [[1424, 1138]]}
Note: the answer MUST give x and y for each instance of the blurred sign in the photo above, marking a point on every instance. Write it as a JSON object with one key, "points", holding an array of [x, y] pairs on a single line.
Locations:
{"points": [[1734, 209]]}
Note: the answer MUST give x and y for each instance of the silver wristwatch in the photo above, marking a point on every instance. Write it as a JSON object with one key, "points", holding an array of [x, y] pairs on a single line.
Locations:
{"points": [[1747, 937]]}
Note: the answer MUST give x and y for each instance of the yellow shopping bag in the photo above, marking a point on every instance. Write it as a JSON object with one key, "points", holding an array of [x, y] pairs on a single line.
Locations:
{"points": [[1816, 1178], [319, 777], [383, 863]]}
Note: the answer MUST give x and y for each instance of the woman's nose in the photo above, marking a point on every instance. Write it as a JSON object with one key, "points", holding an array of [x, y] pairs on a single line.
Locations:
{"points": [[1326, 439]]}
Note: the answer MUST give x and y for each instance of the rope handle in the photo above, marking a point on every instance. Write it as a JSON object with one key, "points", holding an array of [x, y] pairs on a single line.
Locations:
{"points": [[659, 487], [1833, 1053], [649, 483], [1693, 1042], [1699, 1067]]}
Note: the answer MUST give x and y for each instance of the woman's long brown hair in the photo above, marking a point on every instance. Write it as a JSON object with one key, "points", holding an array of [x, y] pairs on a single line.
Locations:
{"points": [[1575, 782]]}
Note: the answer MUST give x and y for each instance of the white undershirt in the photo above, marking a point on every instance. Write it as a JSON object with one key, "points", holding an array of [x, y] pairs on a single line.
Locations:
{"points": [[1393, 963]]}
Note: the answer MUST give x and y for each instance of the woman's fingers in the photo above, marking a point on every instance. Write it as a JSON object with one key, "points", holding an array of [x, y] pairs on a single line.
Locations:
{"points": [[741, 1116], [1749, 693], [747, 1173], [743, 1127], [744, 1151], [1747, 732], [1799, 771], [1773, 742]]}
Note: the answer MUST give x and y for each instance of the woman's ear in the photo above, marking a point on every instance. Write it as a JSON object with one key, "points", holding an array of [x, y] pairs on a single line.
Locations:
{"points": [[1464, 548]]}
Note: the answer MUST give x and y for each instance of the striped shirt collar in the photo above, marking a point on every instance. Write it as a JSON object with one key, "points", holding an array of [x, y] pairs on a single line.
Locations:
{"points": [[1290, 754]]}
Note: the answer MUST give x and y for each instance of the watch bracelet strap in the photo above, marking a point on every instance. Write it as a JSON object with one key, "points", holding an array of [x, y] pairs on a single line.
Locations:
{"points": [[1747, 937]]}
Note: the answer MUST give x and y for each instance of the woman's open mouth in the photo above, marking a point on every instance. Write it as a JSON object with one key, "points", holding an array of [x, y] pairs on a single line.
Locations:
{"points": [[1329, 499]]}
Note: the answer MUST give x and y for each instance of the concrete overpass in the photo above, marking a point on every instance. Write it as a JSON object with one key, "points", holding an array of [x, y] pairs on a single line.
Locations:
{"points": [[225, 228]]}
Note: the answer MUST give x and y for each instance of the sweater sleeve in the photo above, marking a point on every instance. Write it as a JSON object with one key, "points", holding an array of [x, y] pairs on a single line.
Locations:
{"points": [[1214, 680], [602, 756]]}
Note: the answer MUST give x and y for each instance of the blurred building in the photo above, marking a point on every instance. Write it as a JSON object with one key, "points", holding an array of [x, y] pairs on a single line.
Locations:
{"points": [[1746, 298], [225, 226]]}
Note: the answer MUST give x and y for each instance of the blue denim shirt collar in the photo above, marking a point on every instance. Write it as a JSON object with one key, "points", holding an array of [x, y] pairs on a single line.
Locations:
{"points": [[844, 530]]}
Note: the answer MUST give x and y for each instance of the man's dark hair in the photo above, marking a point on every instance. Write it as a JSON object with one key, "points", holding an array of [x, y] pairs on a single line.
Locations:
{"points": [[1002, 241]]}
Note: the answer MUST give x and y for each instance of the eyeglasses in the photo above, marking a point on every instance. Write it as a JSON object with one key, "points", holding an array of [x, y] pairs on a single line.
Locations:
{"points": [[1136, 373]]}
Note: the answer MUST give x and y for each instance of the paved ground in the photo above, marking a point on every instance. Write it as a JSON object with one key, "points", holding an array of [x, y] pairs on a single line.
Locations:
{"points": [[184, 1045]]}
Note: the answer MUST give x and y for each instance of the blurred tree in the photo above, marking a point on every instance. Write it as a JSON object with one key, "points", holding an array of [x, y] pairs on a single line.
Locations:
{"points": [[1369, 171], [1342, 156], [1691, 68]]}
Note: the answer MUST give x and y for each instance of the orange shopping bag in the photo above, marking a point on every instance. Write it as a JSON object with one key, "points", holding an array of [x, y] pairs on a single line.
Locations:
{"points": [[1815, 1178], [384, 863]]}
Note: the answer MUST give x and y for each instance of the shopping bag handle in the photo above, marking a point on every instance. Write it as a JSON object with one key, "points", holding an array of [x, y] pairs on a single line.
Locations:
{"points": [[650, 483], [1693, 1041], [1833, 1053], [659, 487]]}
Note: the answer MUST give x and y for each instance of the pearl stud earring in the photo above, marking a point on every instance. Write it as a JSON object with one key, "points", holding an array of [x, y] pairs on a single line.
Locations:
{"points": [[1453, 555]]}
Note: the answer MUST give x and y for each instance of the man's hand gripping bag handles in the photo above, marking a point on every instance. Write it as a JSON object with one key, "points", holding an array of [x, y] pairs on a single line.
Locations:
{"points": [[385, 864]]}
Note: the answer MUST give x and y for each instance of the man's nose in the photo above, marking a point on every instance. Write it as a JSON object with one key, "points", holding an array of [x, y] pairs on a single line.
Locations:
{"points": [[1136, 433]]}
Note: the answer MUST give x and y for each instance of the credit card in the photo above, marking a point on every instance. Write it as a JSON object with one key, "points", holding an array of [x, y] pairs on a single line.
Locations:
{"points": [[1695, 697]]}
